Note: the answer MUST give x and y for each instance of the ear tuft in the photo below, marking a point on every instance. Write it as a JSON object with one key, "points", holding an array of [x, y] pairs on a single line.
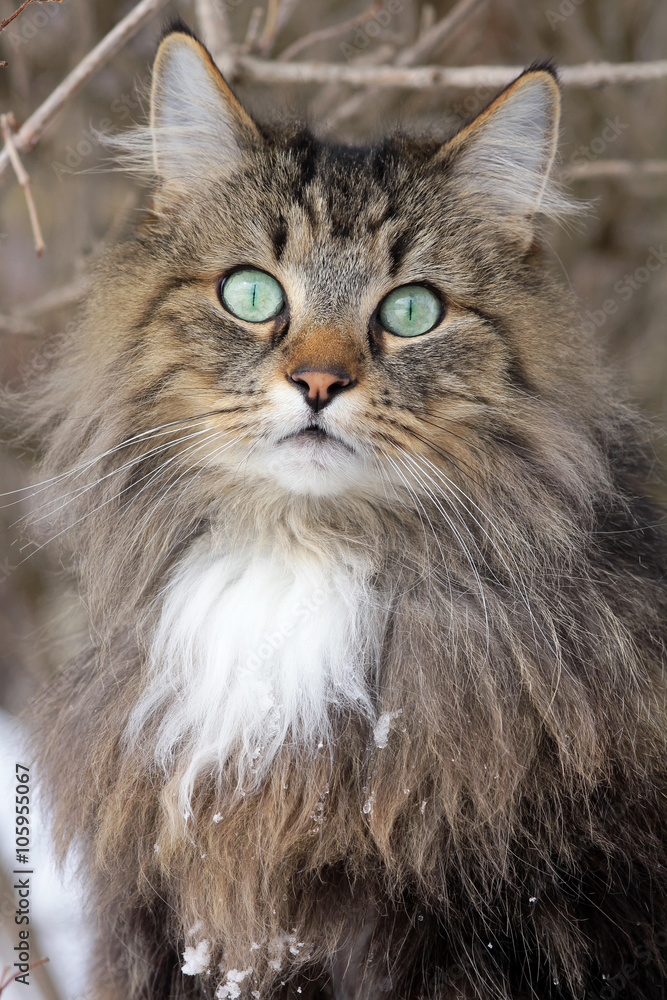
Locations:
{"points": [[176, 25], [503, 158]]}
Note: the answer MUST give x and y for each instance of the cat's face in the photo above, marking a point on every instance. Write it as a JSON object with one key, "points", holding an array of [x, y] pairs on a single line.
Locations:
{"points": [[335, 310]]}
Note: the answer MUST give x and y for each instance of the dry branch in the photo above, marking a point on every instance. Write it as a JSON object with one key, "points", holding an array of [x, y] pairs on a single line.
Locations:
{"points": [[41, 976], [324, 33], [442, 31], [250, 68], [33, 128], [435, 36], [6, 127], [270, 31], [213, 24], [8, 20], [615, 168], [252, 32], [8, 977]]}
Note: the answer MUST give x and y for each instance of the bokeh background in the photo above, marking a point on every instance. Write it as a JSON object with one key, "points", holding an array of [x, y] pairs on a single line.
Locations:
{"points": [[82, 203]]}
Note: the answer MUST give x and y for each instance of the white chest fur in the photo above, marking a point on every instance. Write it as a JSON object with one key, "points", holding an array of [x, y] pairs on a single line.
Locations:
{"points": [[250, 652]]}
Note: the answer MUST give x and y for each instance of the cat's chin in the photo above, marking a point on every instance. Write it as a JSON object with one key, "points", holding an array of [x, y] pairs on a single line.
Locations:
{"points": [[313, 463]]}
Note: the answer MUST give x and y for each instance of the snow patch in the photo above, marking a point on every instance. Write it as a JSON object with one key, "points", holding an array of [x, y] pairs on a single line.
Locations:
{"points": [[382, 727], [231, 989], [197, 960], [279, 945]]}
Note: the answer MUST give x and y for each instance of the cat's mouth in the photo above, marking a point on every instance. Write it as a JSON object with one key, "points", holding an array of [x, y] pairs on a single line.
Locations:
{"points": [[315, 435]]}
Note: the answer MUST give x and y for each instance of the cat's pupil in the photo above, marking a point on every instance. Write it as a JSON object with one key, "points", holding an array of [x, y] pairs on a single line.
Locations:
{"points": [[252, 295], [410, 311]]}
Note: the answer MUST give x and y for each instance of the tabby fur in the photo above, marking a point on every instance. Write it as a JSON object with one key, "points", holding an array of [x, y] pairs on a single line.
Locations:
{"points": [[466, 797]]}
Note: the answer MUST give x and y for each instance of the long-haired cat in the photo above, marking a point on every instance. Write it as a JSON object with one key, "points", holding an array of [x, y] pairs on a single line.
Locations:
{"points": [[375, 703]]}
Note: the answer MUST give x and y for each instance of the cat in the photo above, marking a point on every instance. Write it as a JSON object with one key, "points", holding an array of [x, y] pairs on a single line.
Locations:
{"points": [[374, 704]]}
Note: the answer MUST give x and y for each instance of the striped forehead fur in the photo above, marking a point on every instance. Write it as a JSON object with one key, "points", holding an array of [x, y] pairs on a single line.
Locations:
{"points": [[506, 159]]}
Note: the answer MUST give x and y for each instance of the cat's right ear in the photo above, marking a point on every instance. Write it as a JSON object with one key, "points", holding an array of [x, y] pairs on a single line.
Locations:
{"points": [[198, 127]]}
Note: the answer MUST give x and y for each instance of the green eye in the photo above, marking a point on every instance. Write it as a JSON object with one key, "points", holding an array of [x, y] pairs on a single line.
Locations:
{"points": [[252, 295], [409, 311]]}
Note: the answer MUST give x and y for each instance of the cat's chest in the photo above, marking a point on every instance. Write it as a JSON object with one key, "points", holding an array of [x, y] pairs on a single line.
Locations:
{"points": [[253, 649]]}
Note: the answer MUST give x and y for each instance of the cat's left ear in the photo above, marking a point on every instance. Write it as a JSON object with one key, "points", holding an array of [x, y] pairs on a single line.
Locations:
{"points": [[198, 127], [502, 160]]}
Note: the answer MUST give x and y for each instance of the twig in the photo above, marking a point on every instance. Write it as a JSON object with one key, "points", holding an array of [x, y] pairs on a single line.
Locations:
{"points": [[324, 33], [252, 33], [213, 24], [15, 325], [442, 31], [270, 31], [5, 982], [33, 128], [445, 77], [8, 20], [6, 125], [615, 168], [426, 19], [57, 298], [287, 8]]}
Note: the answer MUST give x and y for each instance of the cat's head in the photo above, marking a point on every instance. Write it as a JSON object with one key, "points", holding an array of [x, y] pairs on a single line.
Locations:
{"points": [[335, 308]]}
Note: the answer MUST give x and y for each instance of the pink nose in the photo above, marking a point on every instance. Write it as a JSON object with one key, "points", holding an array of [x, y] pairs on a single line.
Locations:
{"points": [[319, 387]]}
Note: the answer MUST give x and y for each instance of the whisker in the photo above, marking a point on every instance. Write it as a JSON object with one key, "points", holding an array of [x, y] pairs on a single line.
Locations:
{"points": [[421, 509], [520, 583], [139, 527], [80, 491], [77, 470], [465, 549], [87, 514]]}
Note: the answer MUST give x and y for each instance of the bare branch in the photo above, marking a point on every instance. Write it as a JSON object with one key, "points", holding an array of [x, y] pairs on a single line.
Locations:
{"points": [[587, 75], [287, 8], [8, 976], [33, 128], [270, 31], [8, 20], [22, 319], [252, 34], [324, 33], [213, 24], [426, 19], [6, 126], [442, 31], [57, 298], [16, 325], [622, 169], [445, 30]]}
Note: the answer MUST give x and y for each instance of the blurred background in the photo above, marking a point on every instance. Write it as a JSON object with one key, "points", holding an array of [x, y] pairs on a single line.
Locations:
{"points": [[614, 255]]}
